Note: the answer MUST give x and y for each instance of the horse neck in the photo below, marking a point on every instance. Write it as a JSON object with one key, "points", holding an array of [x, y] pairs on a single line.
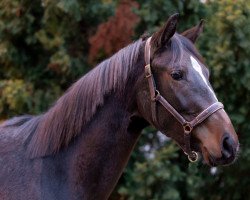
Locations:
{"points": [[95, 160], [97, 156], [101, 153]]}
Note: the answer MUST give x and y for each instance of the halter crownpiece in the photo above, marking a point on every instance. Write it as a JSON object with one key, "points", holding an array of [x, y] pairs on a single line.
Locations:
{"points": [[188, 126]]}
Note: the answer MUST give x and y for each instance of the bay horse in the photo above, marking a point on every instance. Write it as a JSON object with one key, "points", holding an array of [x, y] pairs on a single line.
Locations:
{"points": [[80, 146]]}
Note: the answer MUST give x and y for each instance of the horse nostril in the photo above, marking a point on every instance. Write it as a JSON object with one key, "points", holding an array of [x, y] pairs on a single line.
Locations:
{"points": [[227, 147]]}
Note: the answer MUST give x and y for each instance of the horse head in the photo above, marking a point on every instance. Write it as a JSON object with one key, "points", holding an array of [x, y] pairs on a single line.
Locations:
{"points": [[178, 99]]}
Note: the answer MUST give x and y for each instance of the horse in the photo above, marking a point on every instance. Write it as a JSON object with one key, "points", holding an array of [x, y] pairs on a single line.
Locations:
{"points": [[80, 146]]}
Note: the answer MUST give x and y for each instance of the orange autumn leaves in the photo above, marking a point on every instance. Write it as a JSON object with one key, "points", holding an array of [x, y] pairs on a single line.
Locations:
{"points": [[114, 34]]}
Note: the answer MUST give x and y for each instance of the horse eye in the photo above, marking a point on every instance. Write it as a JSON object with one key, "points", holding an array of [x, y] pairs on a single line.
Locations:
{"points": [[177, 75]]}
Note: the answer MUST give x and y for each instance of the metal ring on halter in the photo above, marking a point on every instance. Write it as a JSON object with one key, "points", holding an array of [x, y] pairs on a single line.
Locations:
{"points": [[187, 128], [157, 93], [194, 157]]}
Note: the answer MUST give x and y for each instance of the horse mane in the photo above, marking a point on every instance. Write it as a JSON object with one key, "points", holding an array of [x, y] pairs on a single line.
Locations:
{"points": [[16, 121], [76, 107]]}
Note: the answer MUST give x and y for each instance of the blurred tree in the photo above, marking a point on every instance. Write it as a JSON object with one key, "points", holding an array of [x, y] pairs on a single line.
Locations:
{"points": [[155, 13], [114, 34], [40, 49], [226, 46]]}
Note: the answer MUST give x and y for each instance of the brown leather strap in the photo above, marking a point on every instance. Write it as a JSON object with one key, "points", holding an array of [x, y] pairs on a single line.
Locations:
{"points": [[171, 109], [147, 52], [188, 126], [206, 113], [151, 81], [197, 120], [152, 90]]}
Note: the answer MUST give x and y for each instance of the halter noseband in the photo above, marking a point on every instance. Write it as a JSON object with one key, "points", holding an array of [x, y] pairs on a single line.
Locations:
{"points": [[187, 125]]}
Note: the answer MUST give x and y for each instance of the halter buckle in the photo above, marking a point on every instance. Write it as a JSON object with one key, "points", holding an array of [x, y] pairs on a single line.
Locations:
{"points": [[187, 128], [157, 95], [148, 72], [193, 157]]}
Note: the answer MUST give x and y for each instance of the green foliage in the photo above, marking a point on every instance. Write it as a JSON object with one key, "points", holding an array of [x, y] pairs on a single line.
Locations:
{"points": [[15, 95], [230, 56], [154, 13], [227, 44], [40, 52], [155, 178]]}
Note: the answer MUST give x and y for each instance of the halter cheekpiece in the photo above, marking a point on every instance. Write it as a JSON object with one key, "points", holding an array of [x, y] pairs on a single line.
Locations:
{"points": [[187, 125]]}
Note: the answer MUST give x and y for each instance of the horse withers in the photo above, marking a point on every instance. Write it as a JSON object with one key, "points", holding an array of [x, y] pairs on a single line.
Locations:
{"points": [[80, 146]]}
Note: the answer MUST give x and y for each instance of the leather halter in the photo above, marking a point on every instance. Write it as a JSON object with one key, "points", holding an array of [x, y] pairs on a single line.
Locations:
{"points": [[187, 125]]}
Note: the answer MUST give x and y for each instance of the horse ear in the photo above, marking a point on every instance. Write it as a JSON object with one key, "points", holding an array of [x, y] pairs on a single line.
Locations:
{"points": [[193, 33], [161, 37]]}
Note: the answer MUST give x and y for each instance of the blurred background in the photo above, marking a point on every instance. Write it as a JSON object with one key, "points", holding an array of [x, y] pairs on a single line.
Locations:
{"points": [[47, 45]]}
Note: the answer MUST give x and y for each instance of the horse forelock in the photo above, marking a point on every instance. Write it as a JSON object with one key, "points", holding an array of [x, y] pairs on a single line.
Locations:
{"points": [[77, 106]]}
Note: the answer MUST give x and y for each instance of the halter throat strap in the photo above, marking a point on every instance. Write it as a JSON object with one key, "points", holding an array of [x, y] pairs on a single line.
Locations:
{"points": [[188, 126]]}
